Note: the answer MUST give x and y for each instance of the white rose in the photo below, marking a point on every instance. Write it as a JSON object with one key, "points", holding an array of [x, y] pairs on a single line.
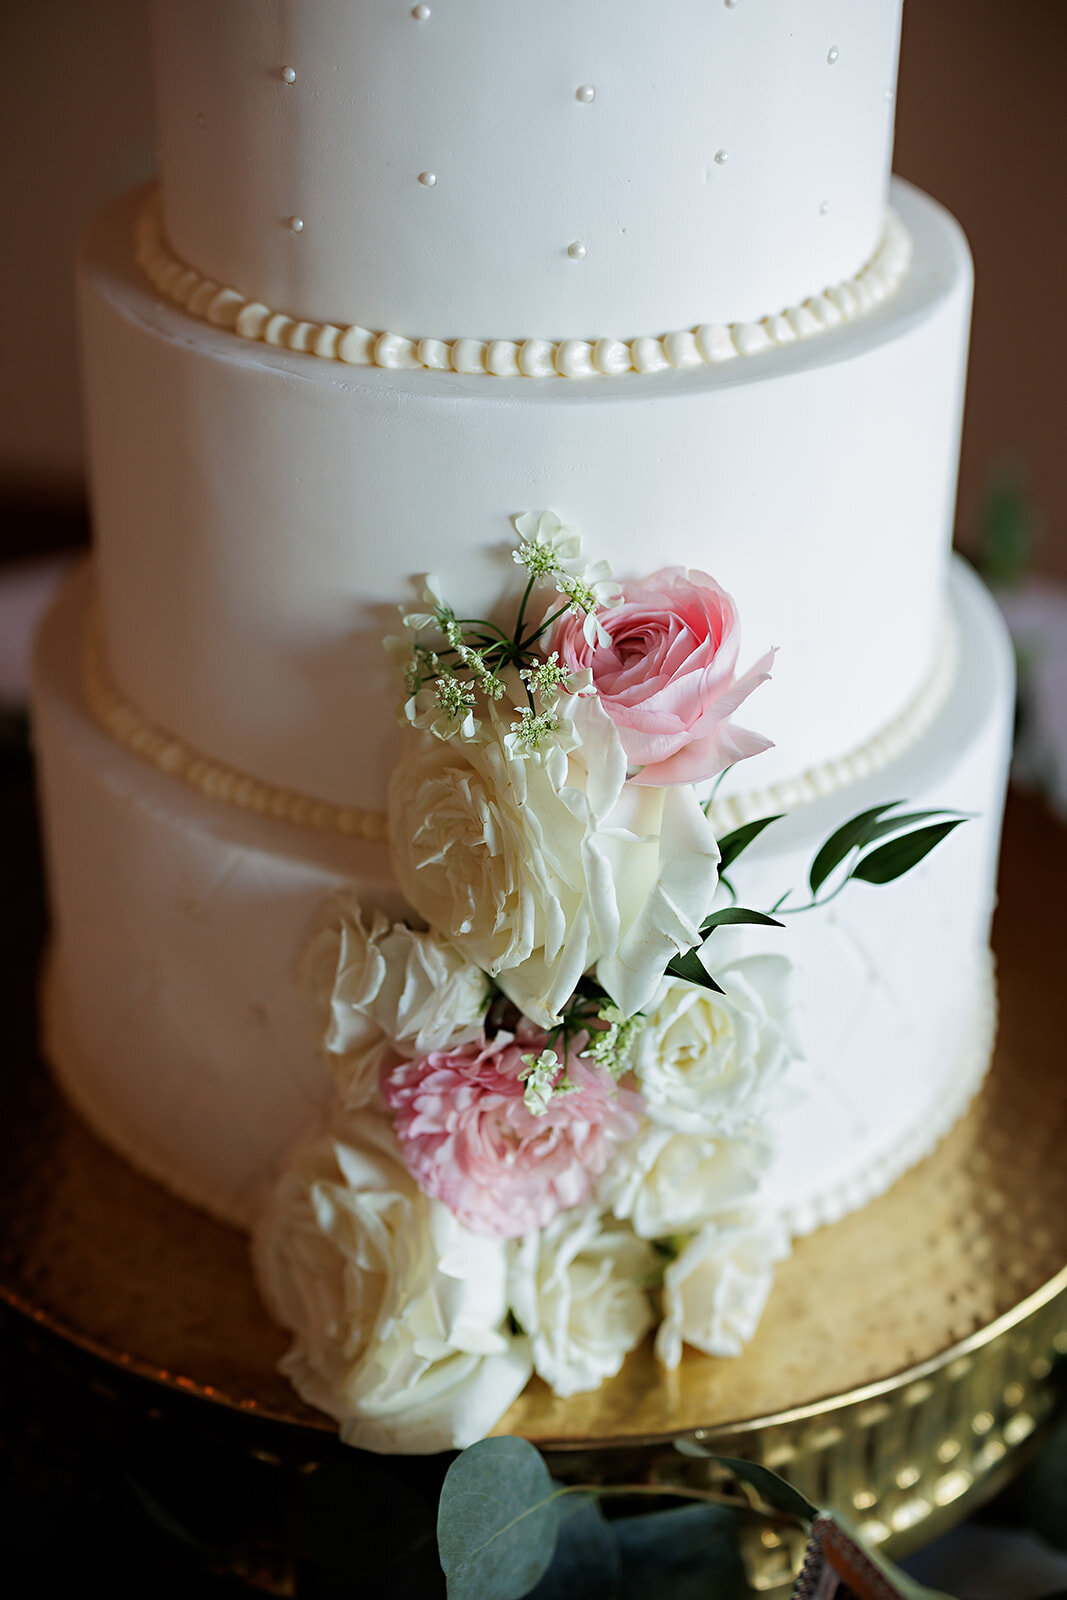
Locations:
{"points": [[388, 987], [579, 1290], [664, 1182], [539, 863], [715, 1291], [397, 1311], [705, 1061]]}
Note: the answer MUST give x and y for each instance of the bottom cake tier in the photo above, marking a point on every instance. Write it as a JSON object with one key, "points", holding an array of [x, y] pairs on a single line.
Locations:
{"points": [[175, 1022]]}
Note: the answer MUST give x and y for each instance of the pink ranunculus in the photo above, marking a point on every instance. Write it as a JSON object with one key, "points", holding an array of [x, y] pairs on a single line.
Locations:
{"points": [[666, 675], [469, 1140]]}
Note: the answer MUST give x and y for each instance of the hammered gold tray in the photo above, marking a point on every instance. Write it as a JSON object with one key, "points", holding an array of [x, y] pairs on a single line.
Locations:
{"points": [[904, 1354]]}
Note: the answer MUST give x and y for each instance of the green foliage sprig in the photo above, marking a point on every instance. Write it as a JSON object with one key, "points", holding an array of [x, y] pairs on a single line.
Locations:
{"points": [[506, 1529], [907, 838]]}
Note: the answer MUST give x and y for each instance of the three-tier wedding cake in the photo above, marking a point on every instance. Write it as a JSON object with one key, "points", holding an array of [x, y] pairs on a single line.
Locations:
{"points": [[490, 402]]}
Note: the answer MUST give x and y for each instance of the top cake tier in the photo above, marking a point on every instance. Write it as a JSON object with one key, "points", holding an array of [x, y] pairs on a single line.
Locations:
{"points": [[522, 169]]}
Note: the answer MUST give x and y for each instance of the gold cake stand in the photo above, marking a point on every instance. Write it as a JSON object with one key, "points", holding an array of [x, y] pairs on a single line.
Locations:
{"points": [[904, 1360]]}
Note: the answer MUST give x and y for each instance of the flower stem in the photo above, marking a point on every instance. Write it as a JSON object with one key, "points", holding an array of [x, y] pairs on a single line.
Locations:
{"points": [[533, 638], [522, 611]]}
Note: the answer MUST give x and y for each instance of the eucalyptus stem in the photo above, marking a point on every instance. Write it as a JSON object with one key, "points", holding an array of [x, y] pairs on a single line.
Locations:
{"points": [[714, 1497]]}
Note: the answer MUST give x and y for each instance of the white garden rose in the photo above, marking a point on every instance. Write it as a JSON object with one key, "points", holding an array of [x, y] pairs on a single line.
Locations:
{"points": [[538, 863], [714, 1292], [397, 1311], [706, 1061], [388, 988], [579, 1288], [664, 1182]]}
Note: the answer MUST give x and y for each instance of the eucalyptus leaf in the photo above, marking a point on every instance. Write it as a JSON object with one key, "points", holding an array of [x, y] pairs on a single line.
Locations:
{"points": [[732, 844], [778, 1494], [851, 834], [498, 1521], [891, 861], [690, 967], [730, 916]]}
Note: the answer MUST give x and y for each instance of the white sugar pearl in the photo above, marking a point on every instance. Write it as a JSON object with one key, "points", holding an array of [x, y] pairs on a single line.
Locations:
{"points": [[586, 94], [427, 179], [421, 13], [722, 157], [288, 74], [832, 55], [577, 251], [296, 224]]}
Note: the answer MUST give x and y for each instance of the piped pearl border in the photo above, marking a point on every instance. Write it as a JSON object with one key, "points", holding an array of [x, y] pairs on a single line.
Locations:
{"points": [[710, 344], [171, 755], [163, 750]]}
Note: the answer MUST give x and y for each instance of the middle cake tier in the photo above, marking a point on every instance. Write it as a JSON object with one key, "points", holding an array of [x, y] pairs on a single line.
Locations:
{"points": [[260, 512], [180, 1028]]}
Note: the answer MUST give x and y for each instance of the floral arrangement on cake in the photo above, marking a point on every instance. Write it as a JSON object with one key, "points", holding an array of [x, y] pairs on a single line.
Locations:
{"points": [[555, 1076]]}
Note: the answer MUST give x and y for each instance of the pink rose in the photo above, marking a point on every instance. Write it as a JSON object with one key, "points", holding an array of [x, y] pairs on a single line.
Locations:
{"points": [[469, 1140], [666, 675]]}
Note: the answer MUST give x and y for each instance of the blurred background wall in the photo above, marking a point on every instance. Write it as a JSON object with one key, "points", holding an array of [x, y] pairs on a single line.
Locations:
{"points": [[981, 124]]}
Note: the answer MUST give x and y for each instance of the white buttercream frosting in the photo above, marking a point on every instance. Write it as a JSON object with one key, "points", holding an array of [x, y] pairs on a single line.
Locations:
{"points": [[705, 344]]}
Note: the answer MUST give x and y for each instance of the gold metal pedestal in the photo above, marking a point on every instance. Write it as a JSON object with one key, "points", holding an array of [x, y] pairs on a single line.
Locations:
{"points": [[904, 1358]]}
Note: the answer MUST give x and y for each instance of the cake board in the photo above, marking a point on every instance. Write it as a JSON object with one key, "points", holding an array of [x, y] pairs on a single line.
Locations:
{"points": [[904, 1364]]}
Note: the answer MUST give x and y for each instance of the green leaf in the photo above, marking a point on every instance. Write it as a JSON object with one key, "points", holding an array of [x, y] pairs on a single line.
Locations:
{"points": [[497, 1522], [731, 915], [850, 834], [690, 967], [732, 844], [891, 861], [903, 819], [775, 1491]]}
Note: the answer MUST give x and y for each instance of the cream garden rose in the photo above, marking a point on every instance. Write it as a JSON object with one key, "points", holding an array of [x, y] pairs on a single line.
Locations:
{"points": [[397, 1311], [714, 1292], [388, 990], [664, 1183], [579, 1288], [706, 1062], [538, 864]]}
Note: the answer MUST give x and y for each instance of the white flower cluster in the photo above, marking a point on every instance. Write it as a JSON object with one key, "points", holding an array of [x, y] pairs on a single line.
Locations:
{"points": [[386, 990], [537, 868], [416, 1333]]}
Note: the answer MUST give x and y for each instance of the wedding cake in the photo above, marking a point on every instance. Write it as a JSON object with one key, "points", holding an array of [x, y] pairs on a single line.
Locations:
{"points": [[522, 771]]}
